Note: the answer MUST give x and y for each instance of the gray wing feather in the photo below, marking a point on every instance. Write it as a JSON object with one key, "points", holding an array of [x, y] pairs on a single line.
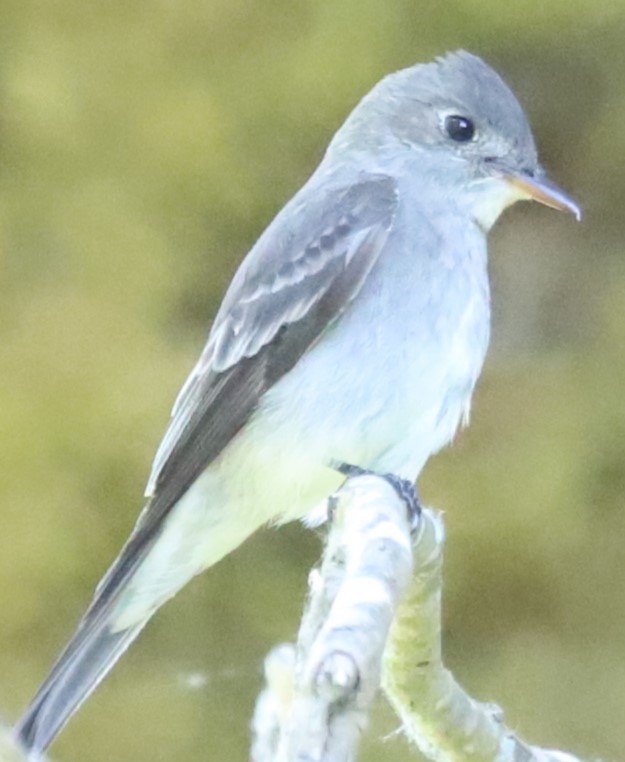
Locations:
{"points": [[298, 279], [285, 275]]}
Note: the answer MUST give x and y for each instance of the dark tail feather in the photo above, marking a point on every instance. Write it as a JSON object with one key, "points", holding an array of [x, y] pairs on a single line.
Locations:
{"points": [[99, 640], [89, 656], [91, 653]]}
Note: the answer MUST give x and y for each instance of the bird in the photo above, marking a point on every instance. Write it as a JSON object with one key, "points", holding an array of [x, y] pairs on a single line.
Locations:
{"points": [[353, 332]]}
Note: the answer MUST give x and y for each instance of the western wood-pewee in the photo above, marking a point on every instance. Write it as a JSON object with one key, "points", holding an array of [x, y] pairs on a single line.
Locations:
{"points": [[353, 332]]}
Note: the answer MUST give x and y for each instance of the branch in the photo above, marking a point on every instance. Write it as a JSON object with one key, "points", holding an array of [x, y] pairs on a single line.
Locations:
{"points": [[437, 714], [317, 698]]}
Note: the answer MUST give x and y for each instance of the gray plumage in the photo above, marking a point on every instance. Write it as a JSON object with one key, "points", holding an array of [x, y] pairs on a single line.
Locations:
{"points": [[354, 331]]}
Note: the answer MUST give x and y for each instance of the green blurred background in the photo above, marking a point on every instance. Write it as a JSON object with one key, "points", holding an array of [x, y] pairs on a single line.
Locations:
{"points": [[143, 147]]}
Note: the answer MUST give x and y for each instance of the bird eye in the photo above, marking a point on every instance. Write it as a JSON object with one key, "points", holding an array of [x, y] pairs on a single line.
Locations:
{"points": [[459, 128]]}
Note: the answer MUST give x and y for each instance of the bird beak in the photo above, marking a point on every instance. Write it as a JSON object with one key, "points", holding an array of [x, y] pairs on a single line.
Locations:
{"points": [[539, 187]]}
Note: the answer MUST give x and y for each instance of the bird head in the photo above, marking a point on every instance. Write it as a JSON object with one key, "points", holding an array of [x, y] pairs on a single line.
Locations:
{"points": [[469, 132]]}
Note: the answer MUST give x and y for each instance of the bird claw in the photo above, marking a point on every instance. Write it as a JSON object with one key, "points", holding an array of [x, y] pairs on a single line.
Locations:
{"points": [[405, 489]]}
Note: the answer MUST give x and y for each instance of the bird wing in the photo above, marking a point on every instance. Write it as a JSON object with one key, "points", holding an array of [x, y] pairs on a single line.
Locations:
{"points": [[297, 280]]}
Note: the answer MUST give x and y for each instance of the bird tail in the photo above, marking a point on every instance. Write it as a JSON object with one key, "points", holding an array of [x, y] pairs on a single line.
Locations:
{"points": [[160, 557], [84, 663], [98, 642]]}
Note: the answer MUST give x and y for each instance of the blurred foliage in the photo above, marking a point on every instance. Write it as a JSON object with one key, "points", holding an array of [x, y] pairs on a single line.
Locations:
{"points": [[143, 147]]}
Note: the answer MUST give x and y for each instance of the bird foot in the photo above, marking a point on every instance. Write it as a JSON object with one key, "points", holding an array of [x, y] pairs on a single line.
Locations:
{"points": [[405, 489]]}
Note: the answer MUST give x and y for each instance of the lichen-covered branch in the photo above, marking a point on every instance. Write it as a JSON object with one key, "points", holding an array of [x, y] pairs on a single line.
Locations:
{"points": [[437, 714], [318, 695], [320, 712]]}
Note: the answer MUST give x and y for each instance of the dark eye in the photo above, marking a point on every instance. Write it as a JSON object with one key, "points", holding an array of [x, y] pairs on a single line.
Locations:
{"points": [[459, 128]]}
